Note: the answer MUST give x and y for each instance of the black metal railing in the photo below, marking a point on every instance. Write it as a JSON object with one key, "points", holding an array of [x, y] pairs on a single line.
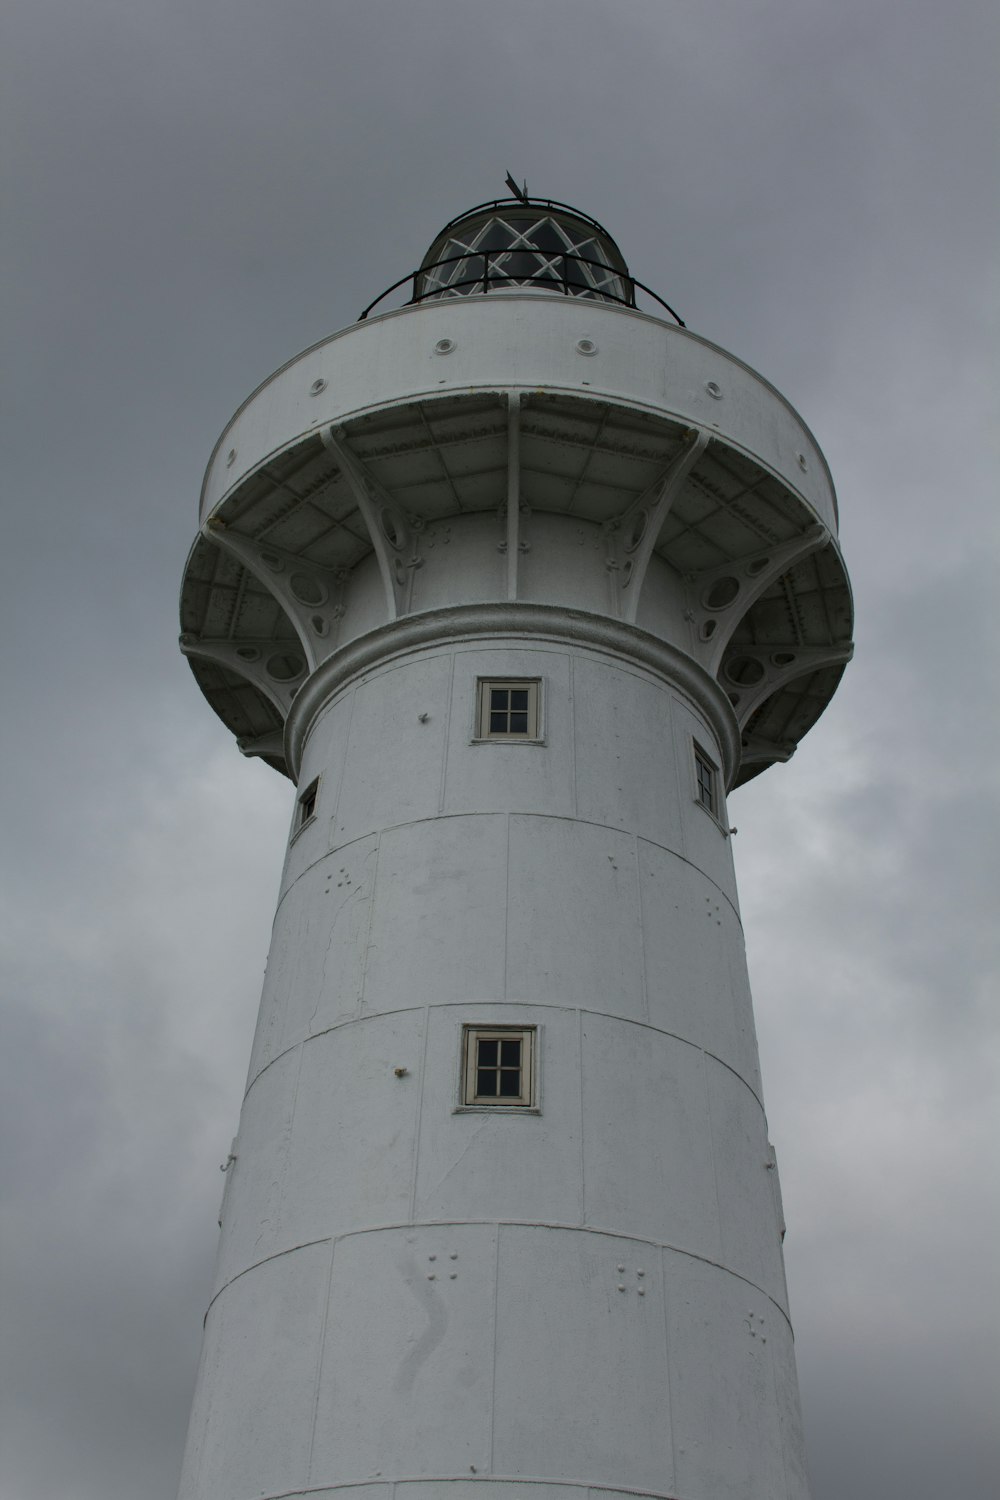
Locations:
{"points": [[486, 279]]}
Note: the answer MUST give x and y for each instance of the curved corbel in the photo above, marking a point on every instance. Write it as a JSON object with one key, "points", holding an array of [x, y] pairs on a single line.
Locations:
{"points": [[632, 536], [751, 674], [756, 750], [270, 745], [311, 596], [718, 598], [274, 668], [391, 531]]}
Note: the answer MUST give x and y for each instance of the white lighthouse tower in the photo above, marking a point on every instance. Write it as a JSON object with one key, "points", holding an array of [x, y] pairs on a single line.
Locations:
{"points": [[515, 582]]}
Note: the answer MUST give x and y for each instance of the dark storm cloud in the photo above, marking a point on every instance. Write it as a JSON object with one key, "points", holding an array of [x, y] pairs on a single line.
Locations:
{"points": [[200, 190]]}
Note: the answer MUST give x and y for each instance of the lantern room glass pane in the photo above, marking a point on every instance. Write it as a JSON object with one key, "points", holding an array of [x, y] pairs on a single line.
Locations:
{"points": [[524, 248]]}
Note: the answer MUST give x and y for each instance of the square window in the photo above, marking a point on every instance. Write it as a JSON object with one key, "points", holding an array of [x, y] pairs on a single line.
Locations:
{"points": [[507, 709], [706, 781], [307, 804], [498, 1066]]}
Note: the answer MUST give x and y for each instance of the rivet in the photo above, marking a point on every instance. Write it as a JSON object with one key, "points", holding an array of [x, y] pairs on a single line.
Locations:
{"points": [[640, 1272], [621, 1268], [432, 1257], [431, 1276], [453, 1255], [452, 1275], [802, 461], [621, 1286], [642, 1291]]}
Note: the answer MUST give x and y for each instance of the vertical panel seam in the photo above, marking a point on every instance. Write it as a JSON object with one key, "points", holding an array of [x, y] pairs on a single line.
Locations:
{"points": [[415, 1165], [283, 1171], [572, 734], [368, 932], [442, 788], [666, 1355], [583, 1153], [331, 843], [711, 1148], [319, 1363], [493, 1376], [506, 905], [643, 976]]}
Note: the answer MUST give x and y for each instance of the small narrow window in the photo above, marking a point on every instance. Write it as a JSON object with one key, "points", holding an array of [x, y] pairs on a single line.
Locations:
{"points": [[508, 709], [706, 782], [498, 1066], [307, 804]]}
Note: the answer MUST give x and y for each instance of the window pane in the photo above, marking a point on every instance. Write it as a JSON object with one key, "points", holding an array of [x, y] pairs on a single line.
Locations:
{"points": [[510, 1082], [510, 1053], [498, 723], [498, 698], [487, 1057], [519, 698], [705, 774], [486, 1083]]}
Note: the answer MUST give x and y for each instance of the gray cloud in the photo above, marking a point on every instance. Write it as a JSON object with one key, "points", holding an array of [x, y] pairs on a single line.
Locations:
{"points": [[202, 190]]}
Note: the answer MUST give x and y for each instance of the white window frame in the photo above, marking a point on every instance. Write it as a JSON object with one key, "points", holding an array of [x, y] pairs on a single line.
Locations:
{"points": [[303, 818], [527, 1101], [482, 733], [700, 757]]}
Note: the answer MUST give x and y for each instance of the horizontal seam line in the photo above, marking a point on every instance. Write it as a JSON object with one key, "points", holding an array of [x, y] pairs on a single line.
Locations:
{"points": [[561, 1225]]}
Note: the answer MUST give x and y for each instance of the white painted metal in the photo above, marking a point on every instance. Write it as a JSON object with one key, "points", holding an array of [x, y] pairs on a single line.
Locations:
{"points": [[522, 341], [415, 1301]]}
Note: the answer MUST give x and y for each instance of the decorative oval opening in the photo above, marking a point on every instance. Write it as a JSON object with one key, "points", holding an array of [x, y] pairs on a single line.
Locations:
{"points": [[721, 593], [746, 671], [715, 391], [307, 588], [586, 346], [230, 458], [285, 666], [627, 573], [399, 570], [319, 625], [637, 530], [757, 566], [708, 629], [271, 560], [444, 346], [248, 653], [391, 528], [783, 658]]}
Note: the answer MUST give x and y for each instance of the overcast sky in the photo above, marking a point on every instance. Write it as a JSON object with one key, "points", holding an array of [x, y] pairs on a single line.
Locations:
{"points": [[194, 192]]}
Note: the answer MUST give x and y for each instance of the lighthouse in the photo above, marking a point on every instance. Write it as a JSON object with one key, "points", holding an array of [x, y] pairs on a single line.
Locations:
{"points": [[515, 579]]}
